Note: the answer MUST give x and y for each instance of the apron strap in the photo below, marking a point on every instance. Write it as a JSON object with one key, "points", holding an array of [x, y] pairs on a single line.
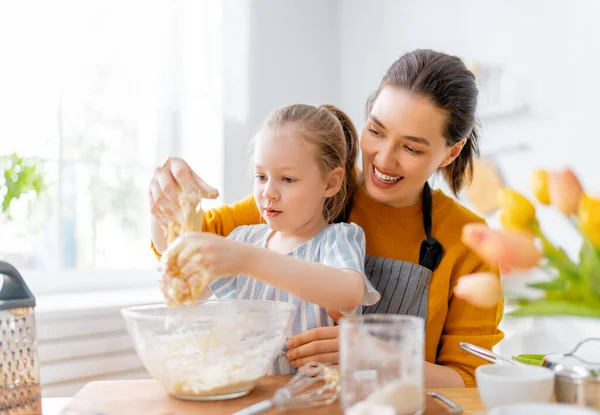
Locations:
{"points": [[432, 251]]}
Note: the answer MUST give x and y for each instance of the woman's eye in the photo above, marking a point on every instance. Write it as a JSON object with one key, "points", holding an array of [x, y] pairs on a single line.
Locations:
{"points": [[374, 132], [260, 177], [288, 180], [413, 150]]}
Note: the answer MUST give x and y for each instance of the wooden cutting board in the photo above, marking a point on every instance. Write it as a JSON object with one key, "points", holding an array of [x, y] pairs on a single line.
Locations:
{"points": [[147, 397]]}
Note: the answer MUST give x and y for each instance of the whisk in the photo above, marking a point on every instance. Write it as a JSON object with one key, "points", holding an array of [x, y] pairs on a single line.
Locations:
{"points": [[314, 385]]}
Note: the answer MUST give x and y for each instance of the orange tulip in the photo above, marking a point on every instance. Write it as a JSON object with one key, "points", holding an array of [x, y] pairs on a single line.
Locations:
{"points": [[589, 218], [482, 289], [509, 250], [539, 186], [565, 191]]}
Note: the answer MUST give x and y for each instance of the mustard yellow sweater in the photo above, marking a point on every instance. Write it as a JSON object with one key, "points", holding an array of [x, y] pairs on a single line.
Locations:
{"points": [[397, 233]]}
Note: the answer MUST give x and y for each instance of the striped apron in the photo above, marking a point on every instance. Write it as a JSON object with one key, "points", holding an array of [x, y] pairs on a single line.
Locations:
{"points": [[404, 287]]}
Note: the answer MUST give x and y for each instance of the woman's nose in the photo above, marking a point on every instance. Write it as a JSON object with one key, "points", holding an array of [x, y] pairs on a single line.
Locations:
{"points": [[386, 156]]}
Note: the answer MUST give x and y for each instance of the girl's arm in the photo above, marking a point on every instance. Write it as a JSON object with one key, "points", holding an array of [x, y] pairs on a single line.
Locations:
{"points": [[335, 283], [329, 287]]}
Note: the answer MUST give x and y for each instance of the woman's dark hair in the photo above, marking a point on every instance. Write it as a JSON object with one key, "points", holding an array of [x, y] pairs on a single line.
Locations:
{"points": [[448, 84]]}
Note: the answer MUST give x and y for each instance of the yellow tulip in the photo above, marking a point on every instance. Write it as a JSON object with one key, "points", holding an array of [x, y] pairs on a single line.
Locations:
{"points": [[539, 186], [515, 223], [589, 218], [518, 213], [509, 250], [565, 191], [482, 289]]}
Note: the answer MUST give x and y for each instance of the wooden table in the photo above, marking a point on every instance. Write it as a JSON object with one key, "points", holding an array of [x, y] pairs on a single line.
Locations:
{"points": [[147, 397]]}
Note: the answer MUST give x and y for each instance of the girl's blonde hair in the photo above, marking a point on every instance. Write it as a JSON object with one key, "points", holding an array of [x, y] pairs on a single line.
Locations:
{"points": [[335, 136]]}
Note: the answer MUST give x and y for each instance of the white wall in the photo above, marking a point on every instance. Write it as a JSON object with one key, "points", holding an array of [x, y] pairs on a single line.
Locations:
{"points": [[275, 53], [549, 47]]}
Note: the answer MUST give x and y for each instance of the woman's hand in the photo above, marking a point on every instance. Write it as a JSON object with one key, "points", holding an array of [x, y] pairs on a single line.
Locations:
{"points": [[316, 345], [217, 255], [168, 182]]}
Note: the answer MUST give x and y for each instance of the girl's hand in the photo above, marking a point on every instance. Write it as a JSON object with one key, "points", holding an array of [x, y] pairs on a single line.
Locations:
{"points": [[219, 256], [335, 315], [168, 182], [316, 345]]}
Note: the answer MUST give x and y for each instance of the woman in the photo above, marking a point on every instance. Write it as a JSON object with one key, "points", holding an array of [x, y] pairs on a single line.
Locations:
{"points": [[420, 120]]}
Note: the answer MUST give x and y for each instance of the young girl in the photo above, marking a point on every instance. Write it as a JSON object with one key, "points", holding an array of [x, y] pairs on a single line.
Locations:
{"points": [[304, 159]]}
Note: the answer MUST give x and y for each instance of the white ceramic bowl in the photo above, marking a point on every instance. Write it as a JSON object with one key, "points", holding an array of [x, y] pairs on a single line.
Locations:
{"points": [[211, 350], [541, 409], [502, 385]]}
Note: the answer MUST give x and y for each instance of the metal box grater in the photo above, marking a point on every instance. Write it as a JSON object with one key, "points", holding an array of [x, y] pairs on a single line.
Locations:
{"points": [[20, 392]]}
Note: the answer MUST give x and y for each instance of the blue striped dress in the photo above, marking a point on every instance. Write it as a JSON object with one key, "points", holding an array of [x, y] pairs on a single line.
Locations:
{"points": [[339, 245]]}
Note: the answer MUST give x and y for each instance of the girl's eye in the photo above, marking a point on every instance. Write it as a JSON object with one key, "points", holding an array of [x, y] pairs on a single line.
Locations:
{"points": [[413, 151], [374, 132], [260, 177], [288, 180]]}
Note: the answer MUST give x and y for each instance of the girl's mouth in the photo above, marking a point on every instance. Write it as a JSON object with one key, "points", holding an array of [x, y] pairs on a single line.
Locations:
{"points": [[272, 213]]}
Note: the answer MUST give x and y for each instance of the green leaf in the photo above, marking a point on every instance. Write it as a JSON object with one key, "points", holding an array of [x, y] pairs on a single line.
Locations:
{"points": [[563, 264], [558, 284], [547, 307], [20, 177], [590, 269]]}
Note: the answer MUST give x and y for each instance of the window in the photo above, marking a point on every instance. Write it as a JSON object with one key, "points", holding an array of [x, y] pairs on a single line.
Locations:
{"points": [[99, 93]]}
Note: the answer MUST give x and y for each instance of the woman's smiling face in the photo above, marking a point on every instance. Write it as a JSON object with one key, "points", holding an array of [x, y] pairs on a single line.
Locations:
{"points": [[402, 145]]}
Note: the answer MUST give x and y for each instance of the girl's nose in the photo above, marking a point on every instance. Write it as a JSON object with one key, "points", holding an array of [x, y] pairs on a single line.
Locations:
{"points": [[270, 191]]}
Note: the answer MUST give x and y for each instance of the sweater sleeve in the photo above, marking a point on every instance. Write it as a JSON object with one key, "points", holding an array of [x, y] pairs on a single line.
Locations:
{"points": [[467, 323], [226, 218]]}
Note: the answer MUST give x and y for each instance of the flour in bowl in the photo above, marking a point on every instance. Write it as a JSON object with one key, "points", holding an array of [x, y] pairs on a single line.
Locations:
{"points": [[201, 364]]}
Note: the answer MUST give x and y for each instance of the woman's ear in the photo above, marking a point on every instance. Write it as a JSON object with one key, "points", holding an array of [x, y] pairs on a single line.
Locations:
{"points": [[335, 178], [453, 153]]}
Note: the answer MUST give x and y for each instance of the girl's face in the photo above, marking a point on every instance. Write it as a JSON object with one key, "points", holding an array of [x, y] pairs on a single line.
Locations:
{"points": [[289, 187], [402, 145]]}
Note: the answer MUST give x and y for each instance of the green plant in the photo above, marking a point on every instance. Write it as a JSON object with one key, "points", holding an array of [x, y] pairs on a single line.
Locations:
{"points": [[19, 177]]}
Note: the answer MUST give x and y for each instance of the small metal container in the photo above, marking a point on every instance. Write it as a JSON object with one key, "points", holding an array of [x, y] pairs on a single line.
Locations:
{"points": [[577, 381], [20, 392]]}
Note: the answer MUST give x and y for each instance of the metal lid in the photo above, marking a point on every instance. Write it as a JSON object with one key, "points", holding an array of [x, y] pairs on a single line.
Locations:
{"points": [[576, 365], [14, 293]]}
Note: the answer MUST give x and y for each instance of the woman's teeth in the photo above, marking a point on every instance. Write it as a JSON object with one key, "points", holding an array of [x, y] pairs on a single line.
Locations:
{"points": [[385, 178]]}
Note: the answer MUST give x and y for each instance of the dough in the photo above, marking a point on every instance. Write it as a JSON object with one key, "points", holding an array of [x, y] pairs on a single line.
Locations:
{"points": [[178, 288]]}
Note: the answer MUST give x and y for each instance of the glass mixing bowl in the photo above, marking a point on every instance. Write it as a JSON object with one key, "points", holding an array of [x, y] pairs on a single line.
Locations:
{"points": [[211, 350]]}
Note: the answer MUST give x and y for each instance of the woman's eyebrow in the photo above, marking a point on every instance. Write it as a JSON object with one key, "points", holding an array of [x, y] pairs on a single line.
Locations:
{"points": [[376, 121], [419, 140]]}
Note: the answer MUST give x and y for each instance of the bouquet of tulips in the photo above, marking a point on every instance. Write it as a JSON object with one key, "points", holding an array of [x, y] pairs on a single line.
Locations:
{"points": [[573, 286]]}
